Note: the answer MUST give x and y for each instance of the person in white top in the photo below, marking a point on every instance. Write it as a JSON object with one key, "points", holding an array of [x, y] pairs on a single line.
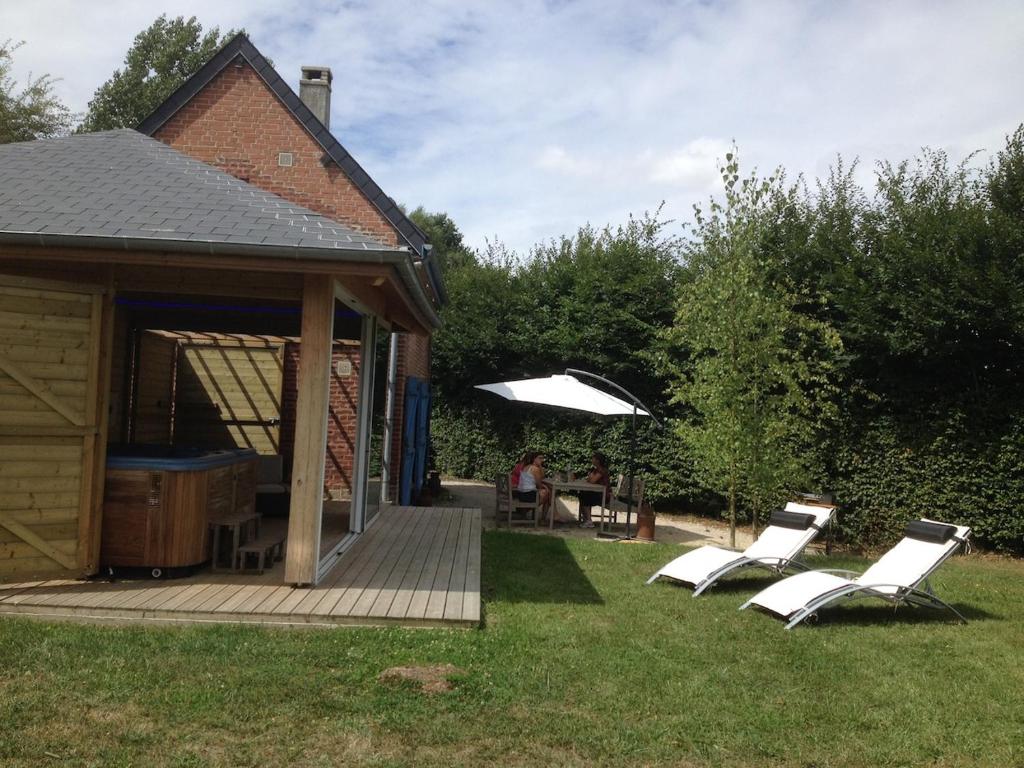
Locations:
{"points": [[531, 481]]}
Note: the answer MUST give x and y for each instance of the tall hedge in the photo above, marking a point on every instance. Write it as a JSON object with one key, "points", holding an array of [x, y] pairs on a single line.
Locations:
{"points": [[960, 467], [922, 278]]}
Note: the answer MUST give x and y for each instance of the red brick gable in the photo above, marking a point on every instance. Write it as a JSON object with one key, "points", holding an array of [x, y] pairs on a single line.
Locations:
{"points": [[237, 124]]}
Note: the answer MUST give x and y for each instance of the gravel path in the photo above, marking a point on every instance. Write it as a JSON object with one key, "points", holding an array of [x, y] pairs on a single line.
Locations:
{"points": [[674, 529]]}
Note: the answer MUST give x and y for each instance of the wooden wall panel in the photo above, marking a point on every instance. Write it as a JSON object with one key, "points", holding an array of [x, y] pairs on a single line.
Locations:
{"points": [[229, 395], [120, 385], [155, 390], [48, 402]]}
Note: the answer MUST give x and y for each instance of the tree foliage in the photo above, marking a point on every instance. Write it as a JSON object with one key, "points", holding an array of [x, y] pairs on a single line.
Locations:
{"points": [[32, 111], [758, 374], [161, 58], [827, 336], [597, 301]]}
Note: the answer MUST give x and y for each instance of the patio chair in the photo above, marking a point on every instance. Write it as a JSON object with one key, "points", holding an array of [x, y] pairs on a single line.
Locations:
{"points": [[618, 501], [900, 576], [789, 531], [505, 502]]}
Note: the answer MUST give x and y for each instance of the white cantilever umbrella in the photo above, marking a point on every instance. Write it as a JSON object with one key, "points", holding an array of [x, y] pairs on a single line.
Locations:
{"points": [[563, 391]]}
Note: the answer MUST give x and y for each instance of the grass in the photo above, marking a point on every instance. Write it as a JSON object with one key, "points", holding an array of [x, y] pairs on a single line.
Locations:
{"points": [[578, 664]]}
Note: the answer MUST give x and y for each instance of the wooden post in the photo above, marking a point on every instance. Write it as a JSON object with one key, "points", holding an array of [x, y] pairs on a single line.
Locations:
{"points": [[94, 466], [311, 412]]}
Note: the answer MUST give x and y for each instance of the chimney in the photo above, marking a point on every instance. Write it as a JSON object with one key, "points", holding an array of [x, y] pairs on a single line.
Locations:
{"points": [[315, 92]]}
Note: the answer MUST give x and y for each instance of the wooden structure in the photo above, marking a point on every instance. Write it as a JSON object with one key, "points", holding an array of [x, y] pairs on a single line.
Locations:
{"points": [[54, 349], [59, 338], [415, 567], [229, 393]]}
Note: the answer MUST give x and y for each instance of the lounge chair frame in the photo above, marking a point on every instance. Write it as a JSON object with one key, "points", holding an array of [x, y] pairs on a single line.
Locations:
{"points": [[925, 598], [746, 562], [778, 567]]}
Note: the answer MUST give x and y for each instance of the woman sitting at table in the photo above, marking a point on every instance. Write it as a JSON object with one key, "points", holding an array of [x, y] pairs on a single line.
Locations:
{"points": [[517, 471], [531, 482], [598, 475]]}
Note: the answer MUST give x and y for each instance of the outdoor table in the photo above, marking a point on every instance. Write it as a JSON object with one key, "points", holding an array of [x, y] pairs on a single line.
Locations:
{"points": [[236, 523], [567, 485]]}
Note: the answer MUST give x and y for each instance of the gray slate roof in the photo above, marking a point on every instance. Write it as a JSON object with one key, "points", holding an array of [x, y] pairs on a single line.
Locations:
{"points": [[123, 189]]}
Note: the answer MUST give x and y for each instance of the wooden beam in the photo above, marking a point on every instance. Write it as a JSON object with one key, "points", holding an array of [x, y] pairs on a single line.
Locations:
{"points": [[386, 301], [194, 261], [311, 411], [140, 271], [40, 390], [28, 430], [94, 449], [45, 284], [217, 282]]}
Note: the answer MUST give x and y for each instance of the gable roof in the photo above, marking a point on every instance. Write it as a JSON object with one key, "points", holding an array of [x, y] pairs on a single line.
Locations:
{"points": [[240, 46], [123, 190]]}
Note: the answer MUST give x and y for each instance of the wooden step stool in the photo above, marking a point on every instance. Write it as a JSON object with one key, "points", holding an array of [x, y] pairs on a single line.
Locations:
{"points": [[268, 546]]}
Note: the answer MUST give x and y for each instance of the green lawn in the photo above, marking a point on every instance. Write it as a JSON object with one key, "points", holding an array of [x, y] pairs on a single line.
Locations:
{"points": [[578, 663]]}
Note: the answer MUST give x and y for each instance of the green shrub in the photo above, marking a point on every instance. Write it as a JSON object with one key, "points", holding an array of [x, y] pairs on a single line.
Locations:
{"points": [[960, 468], [480, 442]]}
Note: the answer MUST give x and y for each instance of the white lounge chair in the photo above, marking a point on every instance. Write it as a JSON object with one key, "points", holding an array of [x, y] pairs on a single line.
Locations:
{"points": [[778, 546], [899, 576]]}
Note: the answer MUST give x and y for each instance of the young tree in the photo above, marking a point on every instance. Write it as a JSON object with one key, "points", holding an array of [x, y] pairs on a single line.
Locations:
{"points": [[162, 57], [756, 373], [33, 112]]}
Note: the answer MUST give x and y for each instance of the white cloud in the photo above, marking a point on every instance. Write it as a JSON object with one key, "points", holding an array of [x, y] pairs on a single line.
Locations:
{"points": [[525, 120], [559, 160], [694, 165]]}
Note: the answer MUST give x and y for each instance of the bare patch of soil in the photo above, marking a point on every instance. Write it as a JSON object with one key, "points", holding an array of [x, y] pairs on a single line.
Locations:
{"points": [[431, 680]]}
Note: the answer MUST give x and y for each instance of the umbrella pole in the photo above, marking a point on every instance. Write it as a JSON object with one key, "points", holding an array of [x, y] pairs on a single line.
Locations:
{"points": [[632, 470], [629, 491]]}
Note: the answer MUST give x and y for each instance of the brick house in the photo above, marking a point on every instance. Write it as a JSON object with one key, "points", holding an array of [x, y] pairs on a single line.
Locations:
{"points": [[239, 115]]}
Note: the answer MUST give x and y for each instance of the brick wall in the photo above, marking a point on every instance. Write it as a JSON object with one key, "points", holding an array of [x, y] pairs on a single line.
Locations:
{"points": [[341, 419], [237, 124]]}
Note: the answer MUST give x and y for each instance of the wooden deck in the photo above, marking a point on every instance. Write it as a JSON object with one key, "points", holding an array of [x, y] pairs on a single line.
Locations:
{"points": [[416, 566]]}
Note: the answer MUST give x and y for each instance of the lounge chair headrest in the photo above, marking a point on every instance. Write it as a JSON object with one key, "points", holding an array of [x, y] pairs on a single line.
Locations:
{"points": [[935, 533], [800, 521]]}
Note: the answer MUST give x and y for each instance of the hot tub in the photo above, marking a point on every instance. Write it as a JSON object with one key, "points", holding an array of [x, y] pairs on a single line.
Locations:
{"points": [[158, 500]]}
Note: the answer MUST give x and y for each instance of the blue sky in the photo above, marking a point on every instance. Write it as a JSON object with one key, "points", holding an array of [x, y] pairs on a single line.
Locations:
{"points": [[525, 120]]}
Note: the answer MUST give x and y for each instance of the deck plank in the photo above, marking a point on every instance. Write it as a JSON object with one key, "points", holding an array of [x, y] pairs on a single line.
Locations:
{"points": [[457, 585], [370, 578], [222, 595], [379, 603], [415, 566], [424, 587], [471, 594], [443, 578], [371, 545], [232, 604], [264, 603], [406, 590]]}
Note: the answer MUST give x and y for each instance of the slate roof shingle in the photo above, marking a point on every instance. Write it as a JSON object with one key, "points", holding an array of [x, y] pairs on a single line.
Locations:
{"points": [[123, 186]]}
